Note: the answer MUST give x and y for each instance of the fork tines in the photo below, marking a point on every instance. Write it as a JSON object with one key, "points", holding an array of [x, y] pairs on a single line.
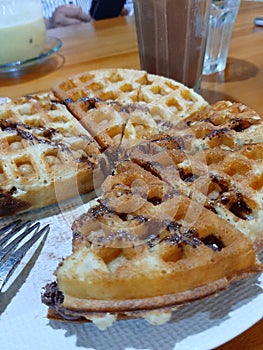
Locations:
{"points": [[10, 252]]}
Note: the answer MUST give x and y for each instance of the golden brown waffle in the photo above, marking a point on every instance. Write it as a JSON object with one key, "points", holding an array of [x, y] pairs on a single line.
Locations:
{"points": [[227, 182], [122, 103], [225, 124], [46, 156], [145, 258], [113, 123], [180, 215]]}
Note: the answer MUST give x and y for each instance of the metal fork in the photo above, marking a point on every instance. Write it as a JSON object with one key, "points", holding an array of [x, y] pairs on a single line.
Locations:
{"points": [[10, 252]]}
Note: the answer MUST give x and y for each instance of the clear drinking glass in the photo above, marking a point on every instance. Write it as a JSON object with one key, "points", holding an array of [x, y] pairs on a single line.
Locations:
{"points": [[171, 37], [22, 30], [222, 18]]}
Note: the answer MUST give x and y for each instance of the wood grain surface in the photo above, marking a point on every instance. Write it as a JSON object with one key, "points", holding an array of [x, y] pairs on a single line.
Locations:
{"points": [[112, 43]]}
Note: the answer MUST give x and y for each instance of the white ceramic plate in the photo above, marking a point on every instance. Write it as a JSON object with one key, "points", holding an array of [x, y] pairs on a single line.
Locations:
{"points": [[52, 46], [201, 325]]}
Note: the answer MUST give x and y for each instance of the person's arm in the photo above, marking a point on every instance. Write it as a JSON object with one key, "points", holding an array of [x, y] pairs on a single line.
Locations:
{"points": [[48, 22], [67, 15]]}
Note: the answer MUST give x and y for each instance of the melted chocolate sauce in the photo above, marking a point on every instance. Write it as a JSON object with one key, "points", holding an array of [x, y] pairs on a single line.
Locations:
{"points": [[67, 101], [170, 142], [187, 176], [98, 211], [90, 102], [239, 125], [217, 133], [223, 183], [52, 296], [210, 207], [49, 132], [240, 208], [9, 204], [154, 200], [213, 242], [152, 167], [130, 217], [86, 160], [232, 198], [177, 236]]}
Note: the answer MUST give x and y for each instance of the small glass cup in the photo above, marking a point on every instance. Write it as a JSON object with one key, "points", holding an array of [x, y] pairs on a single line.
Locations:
{"points": [[222, 18], [22, 30], [172, 38]]}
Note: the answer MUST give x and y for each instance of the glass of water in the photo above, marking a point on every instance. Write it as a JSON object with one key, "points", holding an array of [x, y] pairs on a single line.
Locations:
{"points": [[222, 18]]}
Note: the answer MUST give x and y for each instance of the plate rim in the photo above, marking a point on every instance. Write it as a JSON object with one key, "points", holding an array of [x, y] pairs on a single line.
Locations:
{"points": [[204, 339], [50, 48]]}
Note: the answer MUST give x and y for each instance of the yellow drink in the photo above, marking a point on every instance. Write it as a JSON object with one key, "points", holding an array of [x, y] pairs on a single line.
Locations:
{"points": [[23, 34]]}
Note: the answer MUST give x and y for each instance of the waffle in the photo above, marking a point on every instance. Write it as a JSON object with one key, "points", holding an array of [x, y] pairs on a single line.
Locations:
{"points": [[134, 258], [46, 156], [122, 103], [224, 176], [180, 211], [116, 108], [113, 123], [225, 124], [228, 183]]}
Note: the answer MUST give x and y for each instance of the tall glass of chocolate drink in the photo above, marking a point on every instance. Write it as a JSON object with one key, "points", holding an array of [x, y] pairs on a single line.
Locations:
{"points": [[172, 37]]}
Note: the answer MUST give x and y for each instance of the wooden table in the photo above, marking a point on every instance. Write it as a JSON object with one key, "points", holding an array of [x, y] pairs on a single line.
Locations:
{"points": [[112, 43]]}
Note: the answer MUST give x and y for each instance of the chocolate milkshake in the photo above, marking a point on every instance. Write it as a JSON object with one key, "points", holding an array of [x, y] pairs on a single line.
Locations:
{"points": [[171, 37]]}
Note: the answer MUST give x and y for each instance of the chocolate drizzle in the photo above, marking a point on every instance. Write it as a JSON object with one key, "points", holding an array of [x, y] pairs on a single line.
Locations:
{"points": [[52, 296], [213, 242], [153, 167], [9, 204], [117, 239], [240, 208], [169, 142], [91, 102], [155, 200], [179, 235], [40, 135], [239, 125], [176, 235], [187, 176], [232, 198], [98, 210], [218, 133]]}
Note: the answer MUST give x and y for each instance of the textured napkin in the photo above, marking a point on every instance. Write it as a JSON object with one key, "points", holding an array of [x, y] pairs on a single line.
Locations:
{"points": [[200, 325]]}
